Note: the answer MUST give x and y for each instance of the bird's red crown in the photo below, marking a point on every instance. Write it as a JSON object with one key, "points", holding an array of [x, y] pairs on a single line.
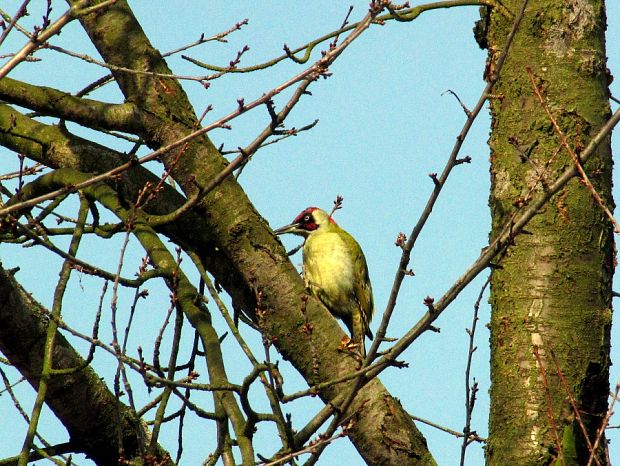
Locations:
{"points": [[307, 221]]}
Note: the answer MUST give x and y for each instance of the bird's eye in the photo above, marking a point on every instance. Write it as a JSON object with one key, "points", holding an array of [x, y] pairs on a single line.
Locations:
{"points": [[306, 218]]}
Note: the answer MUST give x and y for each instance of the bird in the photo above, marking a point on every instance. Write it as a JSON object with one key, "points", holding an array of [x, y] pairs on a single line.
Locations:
{"points": [[335, 271]]}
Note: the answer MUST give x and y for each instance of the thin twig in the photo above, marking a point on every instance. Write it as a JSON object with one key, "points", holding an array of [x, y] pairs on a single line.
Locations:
{"points": [[47, 369], [604, 424], [550, 416], [85, 267], [37, 41], [572, 400], [219, 37], [408, 14], [21, 11], [472, 436], [345, 22], [458, 99], [309, 449], [121, 69], [109, 78], [470, 391]]}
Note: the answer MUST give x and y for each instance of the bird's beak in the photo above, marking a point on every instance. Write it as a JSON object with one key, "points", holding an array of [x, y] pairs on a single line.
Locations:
{"points": [[292, 228]]}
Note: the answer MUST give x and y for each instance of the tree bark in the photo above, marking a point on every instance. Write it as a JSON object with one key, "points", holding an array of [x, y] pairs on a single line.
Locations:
{"points": [[551, 296]]}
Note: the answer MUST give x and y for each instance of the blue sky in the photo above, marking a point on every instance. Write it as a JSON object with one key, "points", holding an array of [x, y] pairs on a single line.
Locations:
{"points": [[384, 125]]}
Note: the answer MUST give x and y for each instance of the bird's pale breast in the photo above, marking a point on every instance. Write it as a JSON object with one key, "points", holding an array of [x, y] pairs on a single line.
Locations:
{"points": [[328, 270]]}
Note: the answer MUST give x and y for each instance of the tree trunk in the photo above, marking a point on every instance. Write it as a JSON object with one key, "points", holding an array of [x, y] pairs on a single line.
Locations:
{"points": [[551, 295]]}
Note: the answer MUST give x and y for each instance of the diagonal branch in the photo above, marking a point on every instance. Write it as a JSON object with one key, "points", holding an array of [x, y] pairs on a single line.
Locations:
{"points": [[403, 15], [584, 177], [503, 240], [22, 337], [91, 113], [185, 294], [439, 183], [36, 41]]}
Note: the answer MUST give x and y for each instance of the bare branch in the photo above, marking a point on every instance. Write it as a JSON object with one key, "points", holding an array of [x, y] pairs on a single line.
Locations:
{"points": [[584, 177], [42, 36]]}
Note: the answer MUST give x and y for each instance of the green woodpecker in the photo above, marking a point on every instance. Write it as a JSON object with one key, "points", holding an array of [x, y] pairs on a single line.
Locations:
{"points": [[335, 271]]}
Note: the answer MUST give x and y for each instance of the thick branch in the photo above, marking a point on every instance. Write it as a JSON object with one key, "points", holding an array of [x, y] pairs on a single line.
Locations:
{"points": [[57, 148], [93, 431], [87, 112], [185, 294]]}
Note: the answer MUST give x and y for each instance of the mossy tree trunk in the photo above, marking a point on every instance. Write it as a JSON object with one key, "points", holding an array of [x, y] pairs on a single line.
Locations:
{"points": [[551, 295]]}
